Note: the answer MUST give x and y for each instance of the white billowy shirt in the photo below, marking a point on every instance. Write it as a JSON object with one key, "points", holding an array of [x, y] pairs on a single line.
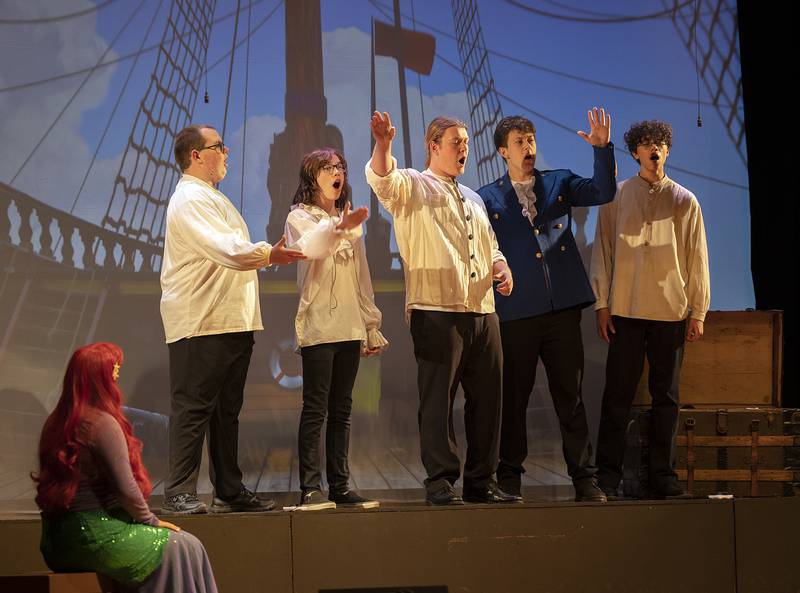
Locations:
{"points": [[446, 242], [650, 259], [336, 299], [209, 283]]}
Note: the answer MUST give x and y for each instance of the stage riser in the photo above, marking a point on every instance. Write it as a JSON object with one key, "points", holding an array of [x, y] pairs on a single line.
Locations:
{"points": [[694, 546]]}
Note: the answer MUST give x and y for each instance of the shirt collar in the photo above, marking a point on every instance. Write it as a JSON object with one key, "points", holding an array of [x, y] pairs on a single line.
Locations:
{"points": [[444, 178], [523, 185], [187, 177], [655, 187]]}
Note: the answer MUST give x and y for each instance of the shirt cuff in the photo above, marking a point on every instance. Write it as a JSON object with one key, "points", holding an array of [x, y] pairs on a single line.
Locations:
{"points": [[699, 315], [373, 177], [375, 339]]}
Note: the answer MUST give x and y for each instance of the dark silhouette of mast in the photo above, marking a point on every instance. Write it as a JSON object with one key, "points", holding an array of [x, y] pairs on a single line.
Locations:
{"points": [[306, 110]]}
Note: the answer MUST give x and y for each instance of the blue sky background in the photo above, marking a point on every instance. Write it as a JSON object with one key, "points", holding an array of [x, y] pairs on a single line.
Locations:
{"points": [[645, 54]]}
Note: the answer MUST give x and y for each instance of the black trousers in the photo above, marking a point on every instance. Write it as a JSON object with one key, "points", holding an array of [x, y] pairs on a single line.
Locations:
{"points": [[453, 349], [329, 373], [556, 339], [662, 342], [207, 376]]}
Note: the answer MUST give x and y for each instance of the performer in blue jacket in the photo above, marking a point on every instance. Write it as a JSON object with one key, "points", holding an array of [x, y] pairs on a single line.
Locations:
{"points": [[531, 213]]}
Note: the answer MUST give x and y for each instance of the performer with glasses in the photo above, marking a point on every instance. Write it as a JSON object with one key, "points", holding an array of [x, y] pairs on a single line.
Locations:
{"points": [[337, 322], [210, 308]]}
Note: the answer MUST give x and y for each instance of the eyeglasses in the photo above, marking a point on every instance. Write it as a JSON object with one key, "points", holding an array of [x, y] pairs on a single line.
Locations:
{"points": [[219, 147], [333, 168], [652, 143]]}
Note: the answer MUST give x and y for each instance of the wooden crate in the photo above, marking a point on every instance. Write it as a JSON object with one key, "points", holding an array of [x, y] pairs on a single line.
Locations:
{"points": [[741, 451], [736, 363]]}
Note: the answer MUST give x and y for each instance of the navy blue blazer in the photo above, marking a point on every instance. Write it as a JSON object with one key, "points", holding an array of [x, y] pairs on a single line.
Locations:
{"points": [[544, 259]]}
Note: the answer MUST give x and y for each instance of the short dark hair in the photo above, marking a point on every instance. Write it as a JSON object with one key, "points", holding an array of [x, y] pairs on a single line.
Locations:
{"points": [[310, 167], [507, 125], [651, 130], [188, 139]]}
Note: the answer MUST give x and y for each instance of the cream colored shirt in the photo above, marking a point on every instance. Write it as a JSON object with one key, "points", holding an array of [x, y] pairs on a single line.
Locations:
{"points": [[446, 242], [336, 299], [208, 276], [650, 259]]}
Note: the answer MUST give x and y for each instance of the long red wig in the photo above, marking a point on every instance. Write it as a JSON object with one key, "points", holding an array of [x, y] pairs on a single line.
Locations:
{"points": [[89, 386]]}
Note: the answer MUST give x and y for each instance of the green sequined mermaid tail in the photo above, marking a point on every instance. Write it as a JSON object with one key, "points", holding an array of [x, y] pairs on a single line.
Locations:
{"points": [[105, 541]]}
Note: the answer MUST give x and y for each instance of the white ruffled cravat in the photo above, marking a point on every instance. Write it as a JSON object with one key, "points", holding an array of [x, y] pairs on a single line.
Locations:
{"points": [[526, 197]]}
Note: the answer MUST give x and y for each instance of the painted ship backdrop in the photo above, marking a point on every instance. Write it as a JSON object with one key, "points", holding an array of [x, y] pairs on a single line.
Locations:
{"points": [[91, 96]]}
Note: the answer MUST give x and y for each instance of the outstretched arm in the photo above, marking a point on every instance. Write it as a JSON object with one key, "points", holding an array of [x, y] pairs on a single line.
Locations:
{"points": [[383, 132]]}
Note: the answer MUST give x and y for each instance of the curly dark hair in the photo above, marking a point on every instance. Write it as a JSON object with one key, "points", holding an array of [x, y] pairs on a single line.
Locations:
{"points": [[310, 167], [509, 124], [651, 130]]}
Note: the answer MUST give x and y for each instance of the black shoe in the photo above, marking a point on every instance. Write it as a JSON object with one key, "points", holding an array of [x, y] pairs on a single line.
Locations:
{"points": [[314, 500], [443, 496], [185, 503], [670, 491], [511, 486], [588, 491], [348, 498], [244, 502], [489, 494]]}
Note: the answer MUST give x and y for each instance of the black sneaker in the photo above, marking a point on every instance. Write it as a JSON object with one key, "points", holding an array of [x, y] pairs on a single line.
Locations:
{"points": [[244, 502], [443, 496], [185, 503], [348, 498], [587, 491], [314, 500]]}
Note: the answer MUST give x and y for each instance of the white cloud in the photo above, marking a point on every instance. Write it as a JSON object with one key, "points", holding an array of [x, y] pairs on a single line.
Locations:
{"points": [[56, 169], [256, 206]]}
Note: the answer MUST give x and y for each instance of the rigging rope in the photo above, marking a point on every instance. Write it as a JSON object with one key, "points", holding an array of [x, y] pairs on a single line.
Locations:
{"points": [[599, 21], [559, 73], [77, 91], [149, 48], [52, 19], [246, 87], [114, 110], [230, 68]]}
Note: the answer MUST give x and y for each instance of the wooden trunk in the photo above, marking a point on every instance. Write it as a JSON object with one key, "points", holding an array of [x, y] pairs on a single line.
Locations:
{"points": [[736, 363], [739, 451]]}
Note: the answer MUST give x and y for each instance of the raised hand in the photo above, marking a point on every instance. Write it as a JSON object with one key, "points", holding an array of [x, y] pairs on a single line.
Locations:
{"points": [[351, 220], [599, 128], [281, 255], [382, 129]]}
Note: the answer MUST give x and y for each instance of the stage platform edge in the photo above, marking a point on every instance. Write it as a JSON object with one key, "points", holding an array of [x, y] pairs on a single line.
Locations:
{"points": [[702, 546]]}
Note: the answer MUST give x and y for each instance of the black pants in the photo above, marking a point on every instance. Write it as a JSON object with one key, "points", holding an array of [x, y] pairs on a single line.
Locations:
{"points": [[329, 373], [453, 349], [207, 376], [556, 339], [662, 343]]}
